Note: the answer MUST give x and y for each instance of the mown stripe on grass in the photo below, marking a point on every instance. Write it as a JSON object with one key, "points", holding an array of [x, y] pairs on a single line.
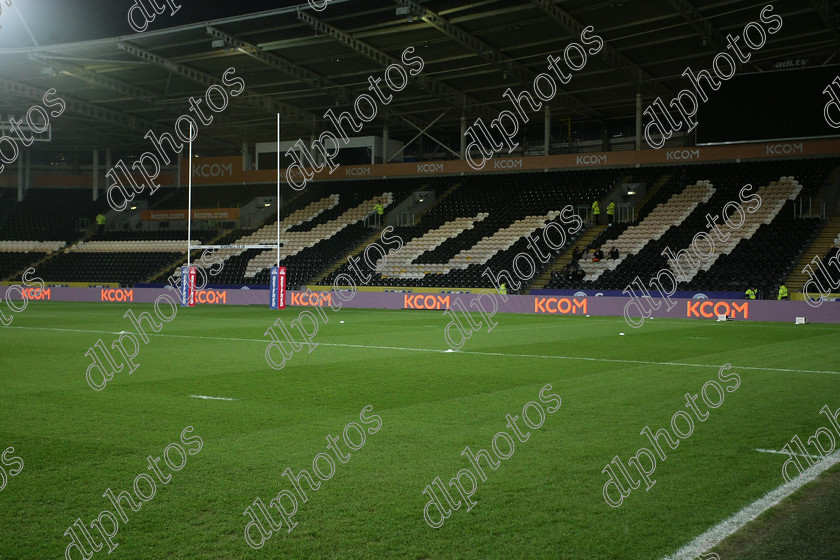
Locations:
{"points": [[472, 352]]}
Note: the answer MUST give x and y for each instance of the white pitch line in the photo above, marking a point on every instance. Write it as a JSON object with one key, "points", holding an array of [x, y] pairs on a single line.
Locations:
{"points": [[680, 364], [63, 330], [212, 398], [817, 457], [716, 534], [472, 352]]}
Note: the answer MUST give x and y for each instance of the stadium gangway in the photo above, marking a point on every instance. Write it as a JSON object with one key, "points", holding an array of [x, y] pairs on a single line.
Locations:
{"points": [[800, 211]]}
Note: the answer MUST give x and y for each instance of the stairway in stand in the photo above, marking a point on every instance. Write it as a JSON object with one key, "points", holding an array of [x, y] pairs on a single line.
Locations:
{"points": [[565, 257], [824, 241], [343, 259]]}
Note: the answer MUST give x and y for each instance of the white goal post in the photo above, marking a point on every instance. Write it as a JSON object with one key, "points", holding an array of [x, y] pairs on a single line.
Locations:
{"points": [[191, 247]]}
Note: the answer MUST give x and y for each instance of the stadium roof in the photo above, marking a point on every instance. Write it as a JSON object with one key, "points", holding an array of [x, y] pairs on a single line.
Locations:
{"points": [[301, 62]]}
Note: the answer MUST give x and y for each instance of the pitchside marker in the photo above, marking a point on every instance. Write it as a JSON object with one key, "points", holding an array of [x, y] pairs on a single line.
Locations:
{"points": [[278, 287], [188, 275]]}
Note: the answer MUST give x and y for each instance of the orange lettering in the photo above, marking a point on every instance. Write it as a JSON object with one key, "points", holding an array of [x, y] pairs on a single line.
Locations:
{"points": [[744, 308]]}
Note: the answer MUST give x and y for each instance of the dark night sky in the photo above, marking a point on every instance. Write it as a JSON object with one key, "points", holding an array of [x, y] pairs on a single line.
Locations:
{"points": [[62, 21]]}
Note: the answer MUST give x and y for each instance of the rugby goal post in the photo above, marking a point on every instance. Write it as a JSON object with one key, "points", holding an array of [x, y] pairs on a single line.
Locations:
{"points": [[277, 274], [188, 273], [277, 298]]}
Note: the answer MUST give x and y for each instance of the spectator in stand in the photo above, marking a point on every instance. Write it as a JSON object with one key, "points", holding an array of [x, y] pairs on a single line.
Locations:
{"points": [[576, 254], [566, 273], [598, 255], [614, 253]]}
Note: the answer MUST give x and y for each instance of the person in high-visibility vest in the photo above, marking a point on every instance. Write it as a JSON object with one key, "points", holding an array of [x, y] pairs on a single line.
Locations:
{"points": [[783, 292], [503, 290], [751, 293], [610, 212], [100, 223], [379, 210], [596, 212]]}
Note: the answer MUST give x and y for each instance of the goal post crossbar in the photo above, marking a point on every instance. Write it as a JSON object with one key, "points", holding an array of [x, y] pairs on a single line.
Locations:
{"points": [[194, 247]]}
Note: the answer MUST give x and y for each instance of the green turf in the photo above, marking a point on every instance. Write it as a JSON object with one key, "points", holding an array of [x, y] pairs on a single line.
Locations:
{"points": [[805, 526], [543, 502]]}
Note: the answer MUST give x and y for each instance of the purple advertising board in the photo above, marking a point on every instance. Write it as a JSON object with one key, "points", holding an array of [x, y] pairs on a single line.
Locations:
{"points": [[486, 302], [619, 293]]}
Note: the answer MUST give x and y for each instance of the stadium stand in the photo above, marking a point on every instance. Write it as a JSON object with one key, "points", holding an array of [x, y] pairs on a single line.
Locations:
{"points": [[524, 202], [114, 265], [15, 256], [317, 228], [653, 226], [49, 215], [766, 250], [477, 222]]}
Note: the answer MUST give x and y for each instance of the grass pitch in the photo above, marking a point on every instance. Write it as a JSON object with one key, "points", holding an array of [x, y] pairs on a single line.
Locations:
{"points": [[544, 502]]}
